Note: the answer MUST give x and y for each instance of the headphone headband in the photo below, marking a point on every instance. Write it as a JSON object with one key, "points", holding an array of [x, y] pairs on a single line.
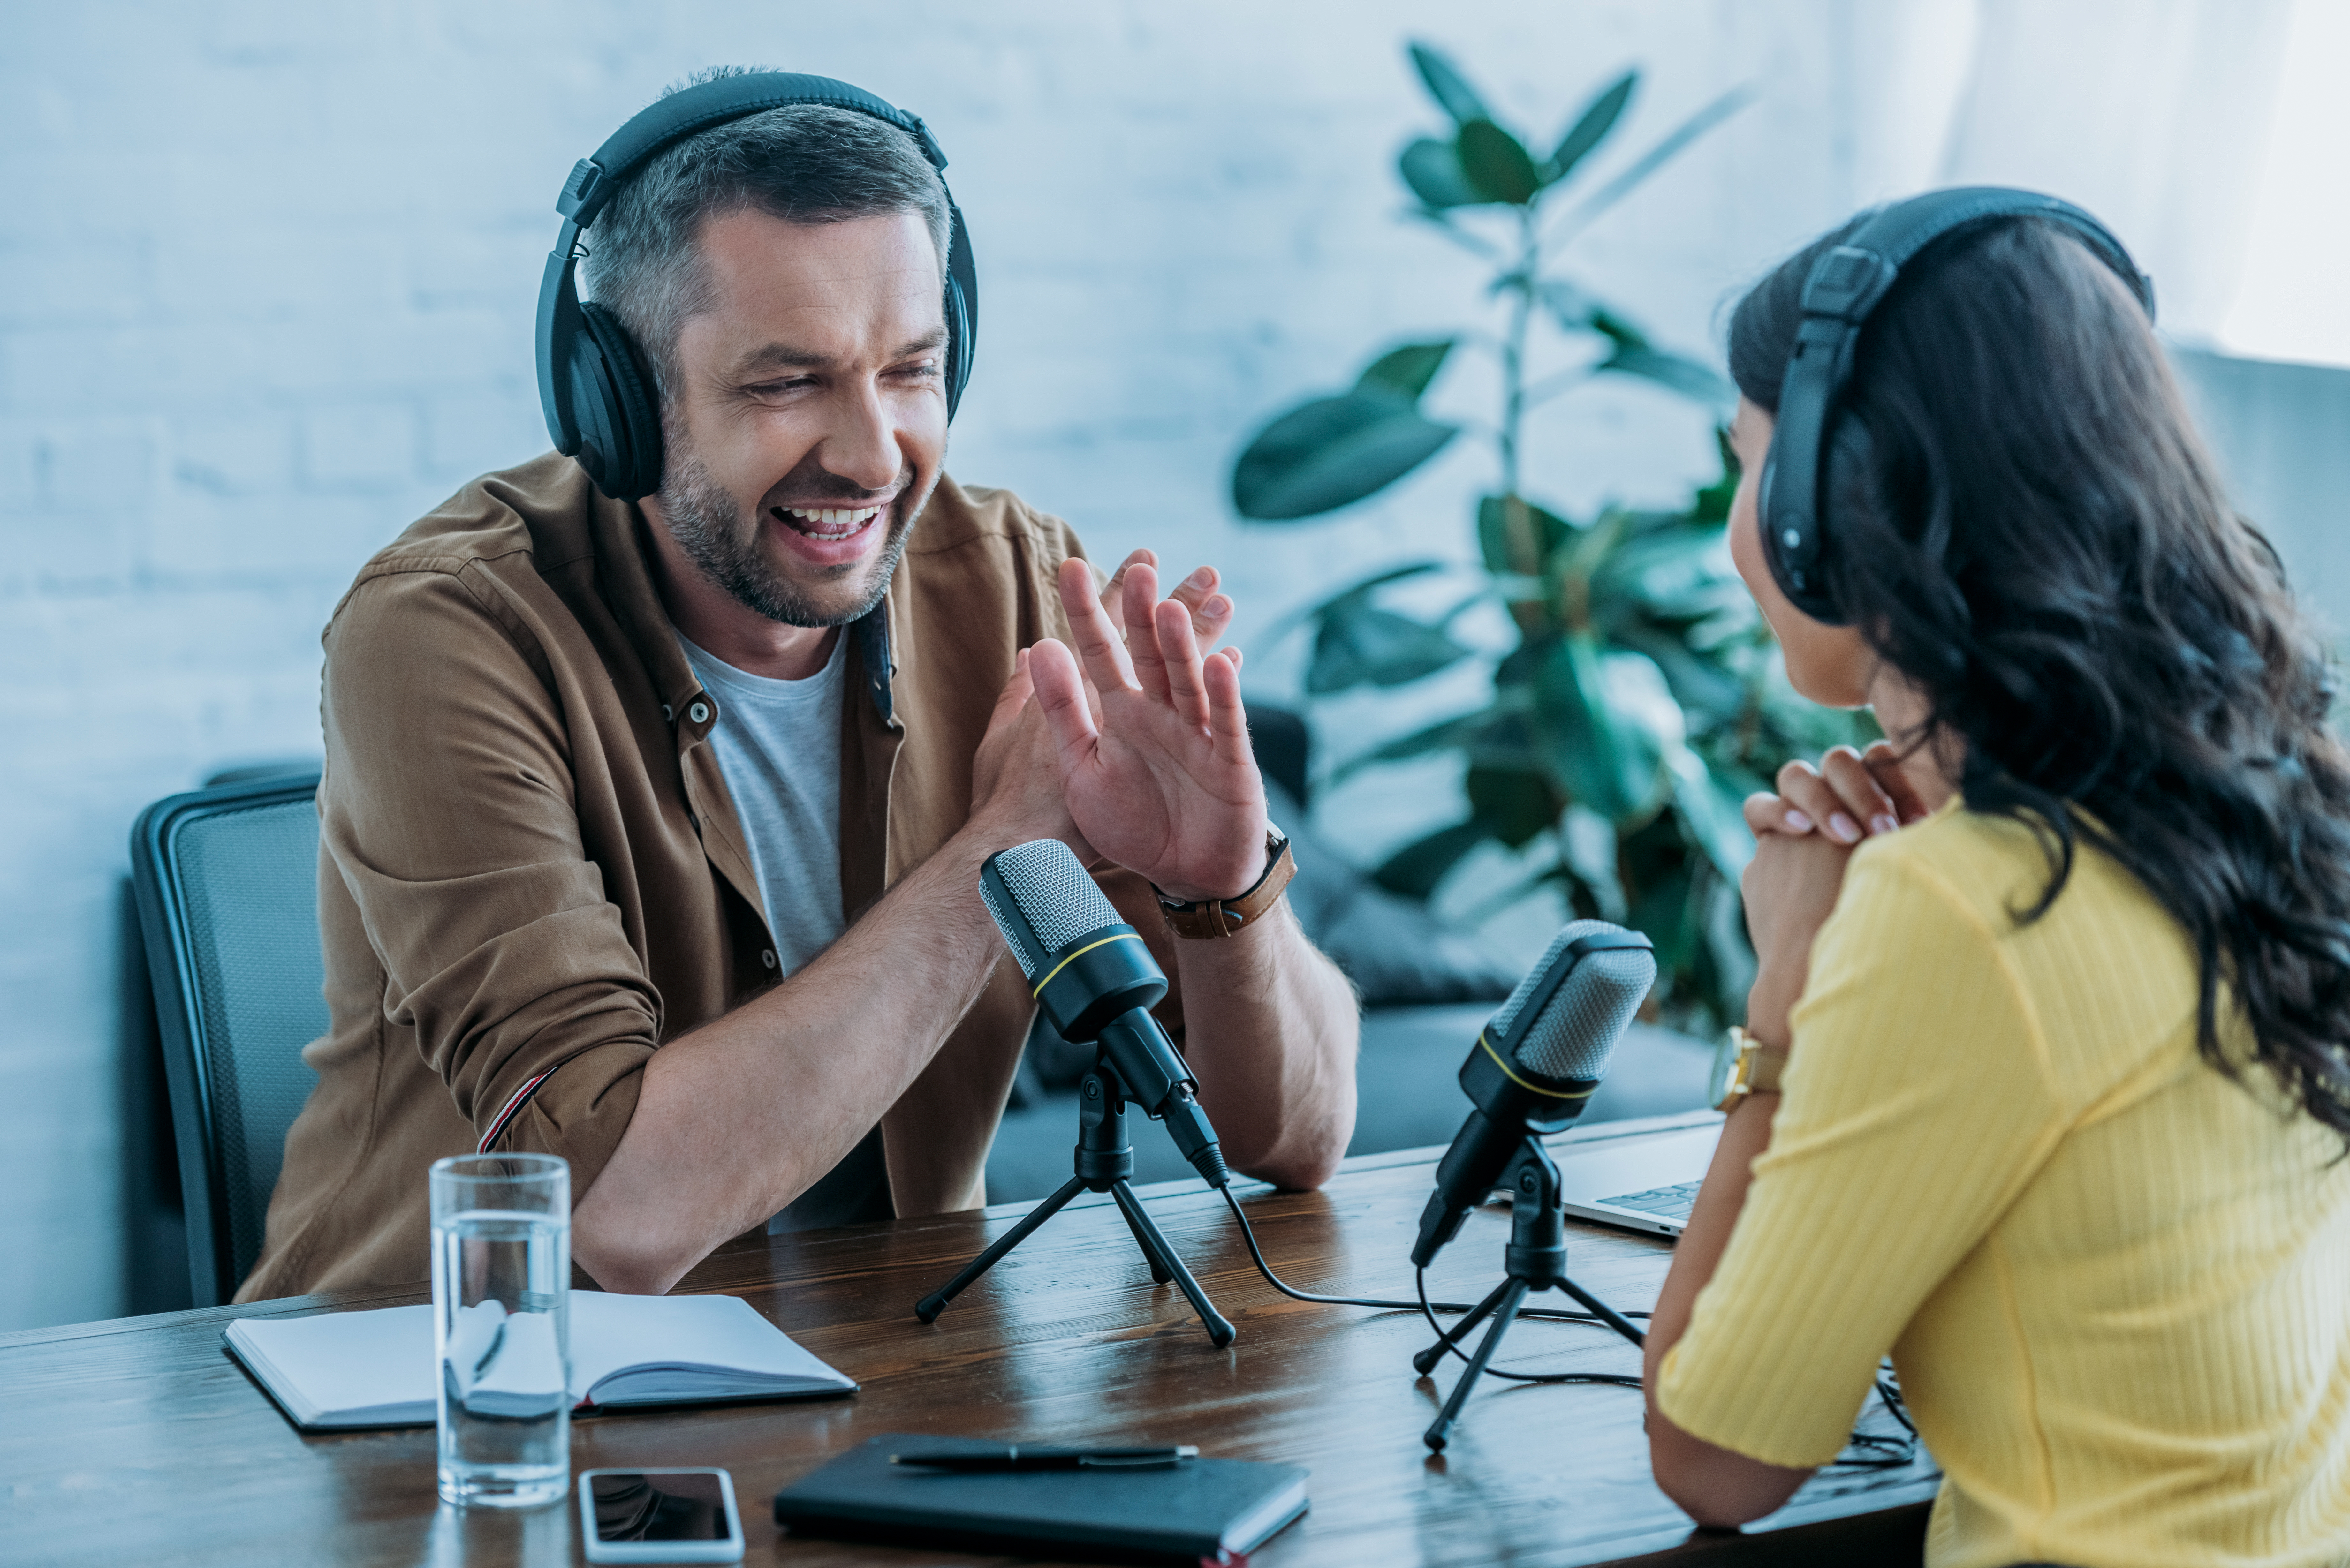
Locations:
{"points": [[1845, 285], [593, 387], [671, 119]]}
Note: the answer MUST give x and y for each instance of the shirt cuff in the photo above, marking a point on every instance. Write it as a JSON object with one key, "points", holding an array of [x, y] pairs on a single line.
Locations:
{"points": [[578, 1109]]}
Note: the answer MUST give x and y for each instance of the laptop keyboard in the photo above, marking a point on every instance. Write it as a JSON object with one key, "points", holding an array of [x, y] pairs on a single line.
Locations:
{"points": [[1664, 1202]]}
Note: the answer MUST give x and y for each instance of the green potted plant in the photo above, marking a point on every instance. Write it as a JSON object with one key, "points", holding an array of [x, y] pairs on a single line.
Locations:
{"points": [[1642, 697]]}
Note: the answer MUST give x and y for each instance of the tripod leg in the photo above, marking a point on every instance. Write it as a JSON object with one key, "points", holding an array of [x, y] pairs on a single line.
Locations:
{"points": [[1158, 1275], [1221, 1333], [930, 1306], [1603, 1312], [1425, 1361], [1436, 1433]]}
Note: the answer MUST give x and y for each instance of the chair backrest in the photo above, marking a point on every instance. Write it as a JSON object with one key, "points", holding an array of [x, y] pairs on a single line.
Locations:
{"points": [[227, 882]]}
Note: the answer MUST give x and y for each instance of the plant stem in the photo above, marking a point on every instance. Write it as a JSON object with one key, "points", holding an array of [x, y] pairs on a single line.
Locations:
{"points": [[1513, 347]]}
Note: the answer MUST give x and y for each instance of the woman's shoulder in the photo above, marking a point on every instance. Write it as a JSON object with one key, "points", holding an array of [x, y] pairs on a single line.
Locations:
{"points": [[2104, 973], [1995, 866]]}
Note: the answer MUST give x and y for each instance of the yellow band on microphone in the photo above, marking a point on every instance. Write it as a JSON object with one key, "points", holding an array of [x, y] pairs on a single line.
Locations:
{"points": [[1125, 936], [1520, 1083]]}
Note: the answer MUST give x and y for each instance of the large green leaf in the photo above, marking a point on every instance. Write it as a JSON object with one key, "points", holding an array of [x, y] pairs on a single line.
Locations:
{"points": [[1670, 568], [1498, 165], [1515, 536], [1328, 452], [1698, 682], [1619, 330], [1447, 86], [1592, 125], [1516, 802], [1464, 731], [1649, 163], [1406, 371], [1432, 170], [1415, 871], [1568, 305], [1661, 912], [1712, 505], [1688, 377], [1358, 643], [1711, 813], [1606, 750]]}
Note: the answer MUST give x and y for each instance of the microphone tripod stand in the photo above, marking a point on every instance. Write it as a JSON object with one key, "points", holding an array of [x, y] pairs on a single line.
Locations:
{"points": [[1537, 1261], [1104, 1160]]}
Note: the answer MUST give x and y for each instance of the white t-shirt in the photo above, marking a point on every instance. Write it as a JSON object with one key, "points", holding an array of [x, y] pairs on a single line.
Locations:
{"points": [[778, 744]]}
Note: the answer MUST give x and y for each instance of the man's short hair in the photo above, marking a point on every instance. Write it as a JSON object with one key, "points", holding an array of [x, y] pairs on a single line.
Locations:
{"points": [[804, 163]]}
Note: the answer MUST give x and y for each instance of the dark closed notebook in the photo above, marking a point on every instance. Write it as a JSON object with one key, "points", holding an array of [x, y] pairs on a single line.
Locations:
{"points": [[1201, 1509]]}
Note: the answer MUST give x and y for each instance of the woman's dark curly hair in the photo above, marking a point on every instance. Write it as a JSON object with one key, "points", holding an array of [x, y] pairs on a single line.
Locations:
{"points": [[2022, 521]]}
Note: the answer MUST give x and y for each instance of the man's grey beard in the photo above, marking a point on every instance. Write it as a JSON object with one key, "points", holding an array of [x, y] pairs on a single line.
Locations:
{"points": [[709, 527]]}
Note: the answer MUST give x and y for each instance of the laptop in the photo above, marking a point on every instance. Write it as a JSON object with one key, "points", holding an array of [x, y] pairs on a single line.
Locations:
{"points": [[1641, 1184]]}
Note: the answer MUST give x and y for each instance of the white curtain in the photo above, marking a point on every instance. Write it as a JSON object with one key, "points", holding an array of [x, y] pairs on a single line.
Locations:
{"points": [[2156, 115]]}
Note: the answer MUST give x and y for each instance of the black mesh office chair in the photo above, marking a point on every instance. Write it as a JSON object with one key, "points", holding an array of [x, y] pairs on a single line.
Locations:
{"points": [[227, 881]]}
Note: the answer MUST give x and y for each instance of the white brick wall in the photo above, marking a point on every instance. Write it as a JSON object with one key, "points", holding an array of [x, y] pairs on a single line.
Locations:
{"points": [[267, 271]]}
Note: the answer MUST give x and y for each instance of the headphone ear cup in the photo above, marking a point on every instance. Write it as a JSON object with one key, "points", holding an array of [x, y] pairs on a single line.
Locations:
{"points": [[1802, 589], [962, 309], [958, 346], [612, 403]]}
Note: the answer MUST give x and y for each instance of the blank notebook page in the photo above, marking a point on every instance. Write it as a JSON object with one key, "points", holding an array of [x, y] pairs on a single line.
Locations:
{"points": [[634, 1348]]}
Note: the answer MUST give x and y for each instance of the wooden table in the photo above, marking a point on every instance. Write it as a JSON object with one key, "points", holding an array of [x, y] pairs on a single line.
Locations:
{"points": [[141, 1441]]}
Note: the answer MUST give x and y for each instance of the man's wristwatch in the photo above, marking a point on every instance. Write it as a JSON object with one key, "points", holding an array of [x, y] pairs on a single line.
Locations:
{"points": [[1227, 916], [1743, 1066]]}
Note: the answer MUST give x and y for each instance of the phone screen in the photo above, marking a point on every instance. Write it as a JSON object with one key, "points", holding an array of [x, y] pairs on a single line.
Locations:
{"points": [[670, 1505]]}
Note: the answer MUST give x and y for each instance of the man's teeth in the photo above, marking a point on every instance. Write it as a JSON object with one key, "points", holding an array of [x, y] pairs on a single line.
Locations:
{"points": [[832, 522]]}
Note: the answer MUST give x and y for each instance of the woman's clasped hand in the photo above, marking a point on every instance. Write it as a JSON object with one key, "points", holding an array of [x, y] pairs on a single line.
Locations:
{"points": [[1804, 835]]}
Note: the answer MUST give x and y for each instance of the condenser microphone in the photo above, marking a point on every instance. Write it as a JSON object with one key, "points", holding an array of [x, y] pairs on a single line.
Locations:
{"points": [[1095, 981], [1537, 1062]]}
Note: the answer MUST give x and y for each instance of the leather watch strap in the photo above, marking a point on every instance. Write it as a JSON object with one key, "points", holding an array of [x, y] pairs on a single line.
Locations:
{"points": [[1211, 917]]}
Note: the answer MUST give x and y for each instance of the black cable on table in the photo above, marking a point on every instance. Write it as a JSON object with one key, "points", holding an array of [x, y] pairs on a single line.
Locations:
{"points": [[1880, 1450], [1248, 1233]]}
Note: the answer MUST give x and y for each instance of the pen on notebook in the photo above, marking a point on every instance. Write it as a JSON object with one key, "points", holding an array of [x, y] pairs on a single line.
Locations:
{"points": [[1038, 1456]]}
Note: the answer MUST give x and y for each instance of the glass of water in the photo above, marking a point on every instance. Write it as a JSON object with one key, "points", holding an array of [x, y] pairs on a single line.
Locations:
{"points": [[502, 1327]]}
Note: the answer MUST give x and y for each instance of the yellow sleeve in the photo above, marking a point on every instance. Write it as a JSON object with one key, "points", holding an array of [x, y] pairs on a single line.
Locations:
{"points": [[1917, 1104]]}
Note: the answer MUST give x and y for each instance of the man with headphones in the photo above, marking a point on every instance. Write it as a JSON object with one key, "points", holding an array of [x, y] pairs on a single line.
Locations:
{"points": [[659, 770]]}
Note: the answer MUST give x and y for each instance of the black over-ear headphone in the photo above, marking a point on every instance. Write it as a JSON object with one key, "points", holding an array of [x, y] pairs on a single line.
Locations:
{"points": [[1845, 284], [593, 382]]}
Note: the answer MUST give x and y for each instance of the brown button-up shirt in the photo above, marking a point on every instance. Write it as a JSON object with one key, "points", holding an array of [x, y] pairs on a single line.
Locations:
{"points": [[530, 874]]}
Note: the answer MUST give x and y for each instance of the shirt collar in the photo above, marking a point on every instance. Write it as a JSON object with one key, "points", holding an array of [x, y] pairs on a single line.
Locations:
{"points": [[624, 563]]}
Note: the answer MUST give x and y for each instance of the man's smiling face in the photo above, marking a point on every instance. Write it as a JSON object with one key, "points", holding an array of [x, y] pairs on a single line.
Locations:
{"points": [[807, 415]]}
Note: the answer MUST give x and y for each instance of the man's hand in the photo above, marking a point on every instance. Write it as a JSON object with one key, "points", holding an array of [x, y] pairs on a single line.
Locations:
{"points": [[1152, 743], [1015, 779]]}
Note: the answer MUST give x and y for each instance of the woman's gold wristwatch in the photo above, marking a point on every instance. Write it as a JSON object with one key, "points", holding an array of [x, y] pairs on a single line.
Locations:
{"points": [[1743, 1066]]}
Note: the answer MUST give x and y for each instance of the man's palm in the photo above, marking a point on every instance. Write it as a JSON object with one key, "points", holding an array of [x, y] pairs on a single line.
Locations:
{"points": [[1150, 735]]}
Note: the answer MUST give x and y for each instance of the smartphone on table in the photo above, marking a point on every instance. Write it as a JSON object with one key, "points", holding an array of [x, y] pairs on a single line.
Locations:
{"points": [[660, 1516]]}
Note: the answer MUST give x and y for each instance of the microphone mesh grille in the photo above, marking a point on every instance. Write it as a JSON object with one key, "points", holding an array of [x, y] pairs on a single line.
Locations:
{"points": [[1573, 931], [1575, 1035], [1052, 895], [1576, 1031]]}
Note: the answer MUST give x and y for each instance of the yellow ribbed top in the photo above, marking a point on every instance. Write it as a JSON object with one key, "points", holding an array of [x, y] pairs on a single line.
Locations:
{"points": [[2115, 1284]]}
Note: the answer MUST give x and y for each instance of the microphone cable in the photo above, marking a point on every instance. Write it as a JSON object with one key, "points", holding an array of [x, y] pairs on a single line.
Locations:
{"points": [[1877, 1450], [1248, 1234]]}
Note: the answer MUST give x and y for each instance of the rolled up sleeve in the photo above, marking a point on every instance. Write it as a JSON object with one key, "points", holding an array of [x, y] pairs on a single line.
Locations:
{"points": [[446, 807]]}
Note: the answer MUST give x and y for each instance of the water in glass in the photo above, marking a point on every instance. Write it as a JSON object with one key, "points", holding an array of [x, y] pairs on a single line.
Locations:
{"points": [[501, 1343]]}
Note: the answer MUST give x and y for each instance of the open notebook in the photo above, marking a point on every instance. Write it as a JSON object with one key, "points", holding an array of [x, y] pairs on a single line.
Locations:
{"points": [[375, 1368]]}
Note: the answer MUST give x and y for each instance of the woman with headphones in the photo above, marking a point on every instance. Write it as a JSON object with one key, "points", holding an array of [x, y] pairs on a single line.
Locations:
{"points": [[2046, 1081]]}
